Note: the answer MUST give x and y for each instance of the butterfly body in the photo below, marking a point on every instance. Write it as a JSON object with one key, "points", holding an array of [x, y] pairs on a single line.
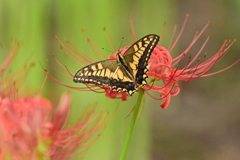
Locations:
{"points": [[127, 73]]}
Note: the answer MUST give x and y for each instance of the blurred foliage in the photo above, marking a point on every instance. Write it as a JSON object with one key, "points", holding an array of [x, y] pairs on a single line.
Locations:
{"points": [[201, 122]]}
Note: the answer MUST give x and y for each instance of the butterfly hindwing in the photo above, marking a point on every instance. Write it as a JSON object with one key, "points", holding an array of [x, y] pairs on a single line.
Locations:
{"points": [[127, 73]]}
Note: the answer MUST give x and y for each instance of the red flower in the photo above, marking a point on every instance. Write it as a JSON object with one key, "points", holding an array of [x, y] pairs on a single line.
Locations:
{"points": [[21, 124], [32, 128], [162, 66], [166, 69]]}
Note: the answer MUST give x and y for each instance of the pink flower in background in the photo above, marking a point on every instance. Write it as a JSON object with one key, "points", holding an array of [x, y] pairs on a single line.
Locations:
{"points": [[34, 128], [31, 129], [21, 124], [162, 65], [74, 140]]}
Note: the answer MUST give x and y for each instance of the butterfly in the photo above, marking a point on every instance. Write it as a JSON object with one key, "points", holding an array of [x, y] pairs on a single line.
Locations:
{"points": [[127, 73]]}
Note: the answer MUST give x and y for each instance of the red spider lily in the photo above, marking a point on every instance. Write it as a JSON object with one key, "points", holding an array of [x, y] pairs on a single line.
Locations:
{"points": [[21, 124], [29, 123], [162, 66], [167, 69], [32, 128]]}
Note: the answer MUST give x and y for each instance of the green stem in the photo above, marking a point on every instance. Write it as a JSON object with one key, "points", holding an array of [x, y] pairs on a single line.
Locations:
{"points": [[130, 130]]}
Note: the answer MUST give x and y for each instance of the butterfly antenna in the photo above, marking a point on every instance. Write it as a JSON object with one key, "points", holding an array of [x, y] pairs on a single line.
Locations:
{"points": [[120, 45], [107, 50]]}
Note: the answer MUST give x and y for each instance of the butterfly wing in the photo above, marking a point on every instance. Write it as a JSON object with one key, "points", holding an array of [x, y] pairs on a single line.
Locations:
{"points": [[105, 73], [137, 56], [99, 73]]}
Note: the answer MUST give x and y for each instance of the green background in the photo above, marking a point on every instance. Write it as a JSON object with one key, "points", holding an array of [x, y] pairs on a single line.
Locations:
{"points": [[202, 122]]}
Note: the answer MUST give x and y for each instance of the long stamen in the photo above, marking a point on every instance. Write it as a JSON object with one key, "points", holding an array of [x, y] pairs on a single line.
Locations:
{"points": [[69, 71], [205, 75], [54, 79], [220, 54], [81, 57], [78, 54], [202, 47], [180, 33], [94, 90], [163, 96], [109, 39], [133, 33], [55, 69], [94, 48], [44, 81], [172, 37], [162, 33], [211, 62], [192, 76], [10, 56], [193, 42], [56, 60], [152, 96], [183, 70]]}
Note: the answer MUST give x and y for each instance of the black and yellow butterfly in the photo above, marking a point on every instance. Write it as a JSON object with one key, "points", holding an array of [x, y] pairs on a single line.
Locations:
{"points": [[127, 73]]}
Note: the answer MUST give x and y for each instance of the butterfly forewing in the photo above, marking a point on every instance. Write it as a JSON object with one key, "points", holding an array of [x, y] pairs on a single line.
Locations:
{"points": [[128, 73], [137, 57], [98, 73]]}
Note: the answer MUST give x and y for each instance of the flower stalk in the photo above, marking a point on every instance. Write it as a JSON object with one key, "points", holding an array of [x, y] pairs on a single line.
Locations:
{"points": [[132, 124]]}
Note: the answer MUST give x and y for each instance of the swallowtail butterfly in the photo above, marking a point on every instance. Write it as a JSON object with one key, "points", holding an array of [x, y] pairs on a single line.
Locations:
{"points": [[127, 73]]}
